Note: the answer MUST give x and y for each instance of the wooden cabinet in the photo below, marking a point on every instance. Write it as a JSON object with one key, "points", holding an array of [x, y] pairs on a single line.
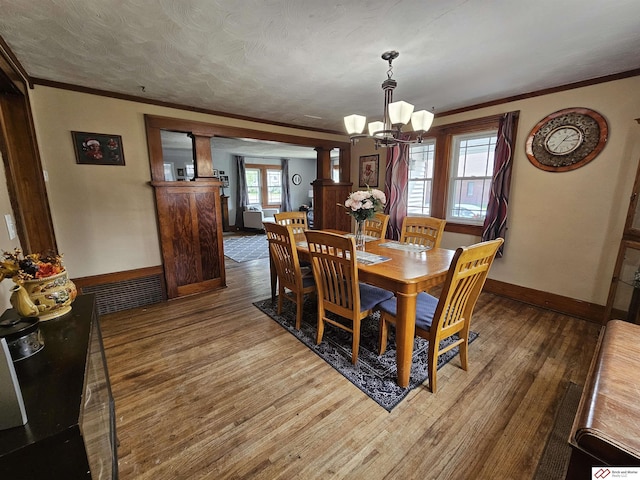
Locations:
{"points": [[70, 432], [623, 301]]}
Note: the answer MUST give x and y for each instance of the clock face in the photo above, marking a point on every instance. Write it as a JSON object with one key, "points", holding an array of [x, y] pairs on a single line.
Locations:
{"points": [[563, 140], [567, 139]]}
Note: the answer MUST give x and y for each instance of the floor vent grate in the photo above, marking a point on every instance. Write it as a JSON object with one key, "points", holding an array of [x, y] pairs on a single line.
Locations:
{"points": [[117, 296]]}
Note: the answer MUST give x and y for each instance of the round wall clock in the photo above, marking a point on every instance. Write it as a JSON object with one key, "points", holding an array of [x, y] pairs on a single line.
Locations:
{"points": [[296, 179], [567, 139]]}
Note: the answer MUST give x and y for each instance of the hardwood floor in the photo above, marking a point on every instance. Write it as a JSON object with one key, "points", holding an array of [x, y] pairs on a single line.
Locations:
{"points": [[208, 387]]}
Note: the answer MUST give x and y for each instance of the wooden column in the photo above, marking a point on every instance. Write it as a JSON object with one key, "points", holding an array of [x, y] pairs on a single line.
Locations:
{"points": [[202, 150]]}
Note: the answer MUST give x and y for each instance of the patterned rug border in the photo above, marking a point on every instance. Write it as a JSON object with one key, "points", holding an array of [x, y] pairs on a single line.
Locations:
{"points": [[373, 374]]}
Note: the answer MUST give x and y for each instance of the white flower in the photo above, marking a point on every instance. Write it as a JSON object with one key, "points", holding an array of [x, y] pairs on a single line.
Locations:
{"points": [[362, 204]]}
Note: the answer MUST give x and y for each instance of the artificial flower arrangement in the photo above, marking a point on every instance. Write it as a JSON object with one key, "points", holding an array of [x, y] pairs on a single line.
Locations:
{"points": [[28, 267], [363, 204]]}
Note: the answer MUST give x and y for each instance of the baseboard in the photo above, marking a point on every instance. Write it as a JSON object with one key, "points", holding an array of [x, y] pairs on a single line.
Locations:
{"points": [[124, 290], [146, 285], [566, 305]]}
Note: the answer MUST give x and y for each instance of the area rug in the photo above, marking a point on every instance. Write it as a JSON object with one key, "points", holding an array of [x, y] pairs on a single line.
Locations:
{"points": [[244, 248], [555, 458], [374, 374]]}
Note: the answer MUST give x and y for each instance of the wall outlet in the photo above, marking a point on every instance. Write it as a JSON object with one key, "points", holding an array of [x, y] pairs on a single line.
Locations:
{"points": [[11, 227]]}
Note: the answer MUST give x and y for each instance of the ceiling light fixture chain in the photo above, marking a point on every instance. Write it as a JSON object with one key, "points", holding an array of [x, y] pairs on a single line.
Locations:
{"points": [[395, 116]]}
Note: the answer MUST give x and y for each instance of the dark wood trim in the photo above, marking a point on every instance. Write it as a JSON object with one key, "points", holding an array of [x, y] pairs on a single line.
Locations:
{"points": [[23, 173], [464, 228], [217, 130], [150, 101], [115, 277], [557, 303], [11, 66], [546, 91]]}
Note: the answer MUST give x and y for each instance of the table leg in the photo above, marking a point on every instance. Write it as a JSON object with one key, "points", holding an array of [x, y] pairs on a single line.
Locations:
{"points": [[405, 333]]}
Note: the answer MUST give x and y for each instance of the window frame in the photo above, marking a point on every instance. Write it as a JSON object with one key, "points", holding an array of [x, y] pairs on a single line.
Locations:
{"points": [[264, 194], [443, 136]]}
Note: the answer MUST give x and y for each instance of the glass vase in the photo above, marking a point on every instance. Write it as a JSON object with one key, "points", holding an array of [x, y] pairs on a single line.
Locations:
{"points": [[359, 235]]}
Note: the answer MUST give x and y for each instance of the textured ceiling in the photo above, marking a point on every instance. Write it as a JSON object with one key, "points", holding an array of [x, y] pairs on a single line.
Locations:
{"points": [[310, 62]]}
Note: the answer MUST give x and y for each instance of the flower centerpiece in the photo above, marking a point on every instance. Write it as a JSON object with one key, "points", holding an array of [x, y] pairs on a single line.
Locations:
{"points": [[363, 205], [43, 288]]}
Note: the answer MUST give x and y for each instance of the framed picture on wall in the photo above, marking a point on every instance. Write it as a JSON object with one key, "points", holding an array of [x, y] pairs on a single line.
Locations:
{"points": [[214, 173], [181, 172], [98, 148], [225, 180], [368, 172]]}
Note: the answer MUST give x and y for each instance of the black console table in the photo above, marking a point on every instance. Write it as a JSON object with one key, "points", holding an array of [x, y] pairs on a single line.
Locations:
{"points": [[70, 432]]}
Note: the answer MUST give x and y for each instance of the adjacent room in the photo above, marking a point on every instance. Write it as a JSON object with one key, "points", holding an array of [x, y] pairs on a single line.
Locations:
{"points": [[300, 239]]}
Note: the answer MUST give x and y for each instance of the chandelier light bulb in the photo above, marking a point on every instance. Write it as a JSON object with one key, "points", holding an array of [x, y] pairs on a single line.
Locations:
{"points": [[400, 113], [421, 121], [354, 124]]}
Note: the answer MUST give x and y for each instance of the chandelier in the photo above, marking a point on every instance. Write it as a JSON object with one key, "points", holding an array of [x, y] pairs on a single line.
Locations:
{"points": [[396, 115]]}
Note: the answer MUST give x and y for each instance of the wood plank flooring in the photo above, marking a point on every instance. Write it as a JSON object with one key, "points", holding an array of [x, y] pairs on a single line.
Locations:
{"points": [[208, 387]]}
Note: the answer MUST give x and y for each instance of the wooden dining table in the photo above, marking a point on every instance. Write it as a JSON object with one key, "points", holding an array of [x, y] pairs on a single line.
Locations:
{"points": [[406, 273]]}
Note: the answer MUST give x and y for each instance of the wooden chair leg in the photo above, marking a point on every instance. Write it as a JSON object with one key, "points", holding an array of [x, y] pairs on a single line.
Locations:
{"points": [[432, 363], [355, 344], [280, 299], [320, 326], [299, 305], [464, 354], [383, 334]]}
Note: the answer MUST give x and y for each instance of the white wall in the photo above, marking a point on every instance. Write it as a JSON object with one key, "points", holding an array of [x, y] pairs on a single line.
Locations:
{"points": [[564, 228]]}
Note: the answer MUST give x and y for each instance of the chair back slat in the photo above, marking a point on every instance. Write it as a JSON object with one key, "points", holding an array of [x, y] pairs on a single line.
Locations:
{"points": [[425, 231], [377, 225], [297, 220]]}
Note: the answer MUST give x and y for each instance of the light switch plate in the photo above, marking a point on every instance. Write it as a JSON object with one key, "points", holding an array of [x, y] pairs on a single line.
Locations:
{"points": [[11, 227]]}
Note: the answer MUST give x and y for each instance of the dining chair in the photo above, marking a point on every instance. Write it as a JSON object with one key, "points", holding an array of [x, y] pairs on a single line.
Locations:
{"points": [[438, 319], [297, 219], [292, 284], [334, 264], [425, 231], [377, 225]]}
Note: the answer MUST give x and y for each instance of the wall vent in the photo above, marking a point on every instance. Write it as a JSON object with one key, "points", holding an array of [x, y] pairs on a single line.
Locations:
{"points": [[126, 294]]}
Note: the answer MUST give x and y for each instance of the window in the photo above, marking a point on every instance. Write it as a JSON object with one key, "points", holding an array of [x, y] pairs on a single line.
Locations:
{"points": [[264, 185], [421, 158], [470, 178], [450, 173], [274, 186]]}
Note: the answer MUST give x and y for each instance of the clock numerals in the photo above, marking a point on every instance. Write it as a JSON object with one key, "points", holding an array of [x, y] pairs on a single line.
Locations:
{"points": [[563, 140]]}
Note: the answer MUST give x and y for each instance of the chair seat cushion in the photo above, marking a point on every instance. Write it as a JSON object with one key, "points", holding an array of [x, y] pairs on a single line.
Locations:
{"points": [[370, 296], [308, 280], [425, 308]]}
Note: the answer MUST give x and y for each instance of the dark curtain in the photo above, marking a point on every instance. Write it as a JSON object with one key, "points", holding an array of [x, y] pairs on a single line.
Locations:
{"points": [[495, 223], [286, 191], [396, 188], [242, 199]]}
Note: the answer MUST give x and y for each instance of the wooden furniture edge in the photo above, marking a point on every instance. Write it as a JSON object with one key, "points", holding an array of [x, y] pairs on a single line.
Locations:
{"points": [[558, 303], [114, 277]]}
